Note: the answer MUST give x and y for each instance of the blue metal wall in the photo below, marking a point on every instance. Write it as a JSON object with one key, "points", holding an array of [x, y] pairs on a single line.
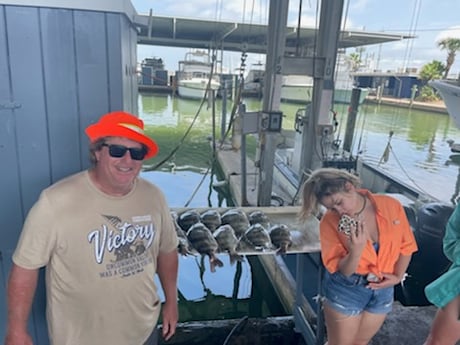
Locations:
{"points": [[60, 69]]}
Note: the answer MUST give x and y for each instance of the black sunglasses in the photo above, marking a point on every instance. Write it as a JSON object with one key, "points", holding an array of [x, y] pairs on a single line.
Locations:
{"points": [[118, 151]]}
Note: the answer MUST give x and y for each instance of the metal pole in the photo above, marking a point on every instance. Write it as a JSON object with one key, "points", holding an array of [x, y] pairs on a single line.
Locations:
{"points": [[271, 95], [223, 126], [351, 120], [323, 88]]}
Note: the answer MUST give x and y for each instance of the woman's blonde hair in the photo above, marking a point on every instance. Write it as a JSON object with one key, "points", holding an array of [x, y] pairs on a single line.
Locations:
{"points": [[323, 182]]}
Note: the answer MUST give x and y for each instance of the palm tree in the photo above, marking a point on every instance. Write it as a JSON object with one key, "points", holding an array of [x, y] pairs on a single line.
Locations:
{"points": [[354, 61], [430, 71], [452, 45]]}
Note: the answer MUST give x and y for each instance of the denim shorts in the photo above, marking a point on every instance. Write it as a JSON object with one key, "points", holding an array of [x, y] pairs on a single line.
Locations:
{"points": [[350, 296]]}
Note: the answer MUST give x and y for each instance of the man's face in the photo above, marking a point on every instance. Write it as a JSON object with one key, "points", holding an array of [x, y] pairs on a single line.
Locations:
{"points": [[115, 175]]}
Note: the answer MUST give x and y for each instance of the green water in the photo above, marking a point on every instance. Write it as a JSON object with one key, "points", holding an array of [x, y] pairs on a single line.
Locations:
{"points": [[420, 155], [184, 171]]}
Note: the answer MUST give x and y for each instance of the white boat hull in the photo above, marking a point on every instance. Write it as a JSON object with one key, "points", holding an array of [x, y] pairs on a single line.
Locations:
{"points": [[303, 94], [195, 88], [450, 93], [296, 93]]}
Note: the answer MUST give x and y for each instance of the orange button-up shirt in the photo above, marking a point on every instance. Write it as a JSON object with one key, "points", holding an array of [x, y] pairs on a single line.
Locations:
{"points": [[395, 238]]}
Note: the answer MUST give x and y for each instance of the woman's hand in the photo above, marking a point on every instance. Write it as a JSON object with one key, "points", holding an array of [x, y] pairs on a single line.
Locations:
{"points": [[358, 238], [387, 280]]}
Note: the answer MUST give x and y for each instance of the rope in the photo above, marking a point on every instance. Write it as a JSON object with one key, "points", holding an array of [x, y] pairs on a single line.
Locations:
{"points": [[182, 140], [386, 152], [240, 324], [421, 190], [197, 188]]}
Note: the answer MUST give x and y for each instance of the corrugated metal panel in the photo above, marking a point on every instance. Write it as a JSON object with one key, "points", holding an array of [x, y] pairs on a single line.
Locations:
{"points": [[25, 61], [60, 83], [60, 70], [11, 215], [91, 53]]}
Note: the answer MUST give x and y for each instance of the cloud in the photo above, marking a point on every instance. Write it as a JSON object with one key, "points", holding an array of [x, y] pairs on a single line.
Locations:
{"points": [[452, 32]]}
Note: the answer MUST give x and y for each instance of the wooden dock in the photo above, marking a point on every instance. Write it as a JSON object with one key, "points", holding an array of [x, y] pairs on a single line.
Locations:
{"points": [[437, 107]]}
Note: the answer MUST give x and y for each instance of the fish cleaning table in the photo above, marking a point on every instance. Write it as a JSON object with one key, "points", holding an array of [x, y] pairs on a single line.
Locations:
{"points": [[305, 240]]}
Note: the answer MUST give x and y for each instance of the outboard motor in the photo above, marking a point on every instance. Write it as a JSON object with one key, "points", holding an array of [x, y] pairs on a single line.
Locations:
{"points": [[429, 262]]}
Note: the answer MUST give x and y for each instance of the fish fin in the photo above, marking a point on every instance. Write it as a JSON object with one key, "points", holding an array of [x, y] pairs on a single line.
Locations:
{"points": [[281, 251], [234, 257], [214, 262]]}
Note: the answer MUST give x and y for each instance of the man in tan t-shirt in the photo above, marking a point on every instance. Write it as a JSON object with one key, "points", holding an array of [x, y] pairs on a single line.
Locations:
{"points": [[102, 235]]}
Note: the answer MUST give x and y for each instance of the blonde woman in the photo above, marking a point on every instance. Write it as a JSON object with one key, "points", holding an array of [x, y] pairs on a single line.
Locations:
{"points": [[366, 247]]}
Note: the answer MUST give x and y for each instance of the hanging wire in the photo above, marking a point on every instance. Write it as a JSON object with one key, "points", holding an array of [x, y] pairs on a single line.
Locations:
{"points": [[299, 19], [187, 132], [242, 70], [412, 31]]}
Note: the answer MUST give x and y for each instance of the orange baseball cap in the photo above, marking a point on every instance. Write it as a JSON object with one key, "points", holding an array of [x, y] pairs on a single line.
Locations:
{"points": [[122, 124]]}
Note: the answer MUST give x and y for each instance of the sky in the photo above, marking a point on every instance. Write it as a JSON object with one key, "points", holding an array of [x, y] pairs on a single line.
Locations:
{"points": [[428, 20]]}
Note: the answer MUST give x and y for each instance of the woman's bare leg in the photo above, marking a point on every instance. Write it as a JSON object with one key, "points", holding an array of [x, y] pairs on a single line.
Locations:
{"points": [[445, 329], [341, 329], [351, 330], [370, 325]]}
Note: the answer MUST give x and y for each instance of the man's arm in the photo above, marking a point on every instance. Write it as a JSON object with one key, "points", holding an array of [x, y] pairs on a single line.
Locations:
{"points": [[167, 267], [21, 290]]}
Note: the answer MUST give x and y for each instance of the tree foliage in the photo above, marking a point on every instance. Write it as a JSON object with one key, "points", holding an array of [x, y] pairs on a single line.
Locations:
{"points": [[452, 45], [431, 71], [354, 60]]}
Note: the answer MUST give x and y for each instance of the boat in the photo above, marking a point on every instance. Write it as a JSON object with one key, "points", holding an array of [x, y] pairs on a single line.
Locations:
{"points": [[196, 75], [299, 88], [454, 147], [450, 93], [152, 75], [254, 80]]}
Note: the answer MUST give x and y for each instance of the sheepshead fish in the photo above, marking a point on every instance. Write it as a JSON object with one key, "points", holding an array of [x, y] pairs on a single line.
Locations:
{"points": [[212, 219], [204, 243], [238, 220], [257, 236], [183, 245], [280, 237], [227, 241], [260, 217], [187, 219]]}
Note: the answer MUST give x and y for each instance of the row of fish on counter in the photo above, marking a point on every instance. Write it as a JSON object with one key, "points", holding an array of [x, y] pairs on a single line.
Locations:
{"points": [[233, 231]]}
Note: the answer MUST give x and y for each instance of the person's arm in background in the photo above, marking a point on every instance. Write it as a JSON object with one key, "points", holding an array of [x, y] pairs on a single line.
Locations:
{"points": [[451, 242], [167, 268], [22, 284]]}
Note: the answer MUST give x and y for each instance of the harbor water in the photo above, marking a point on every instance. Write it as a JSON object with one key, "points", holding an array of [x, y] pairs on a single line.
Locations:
{"points": [[420, 156]]}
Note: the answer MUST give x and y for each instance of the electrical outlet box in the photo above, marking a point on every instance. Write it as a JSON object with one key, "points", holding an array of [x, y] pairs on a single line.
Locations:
{"points": [[324, 130]]}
